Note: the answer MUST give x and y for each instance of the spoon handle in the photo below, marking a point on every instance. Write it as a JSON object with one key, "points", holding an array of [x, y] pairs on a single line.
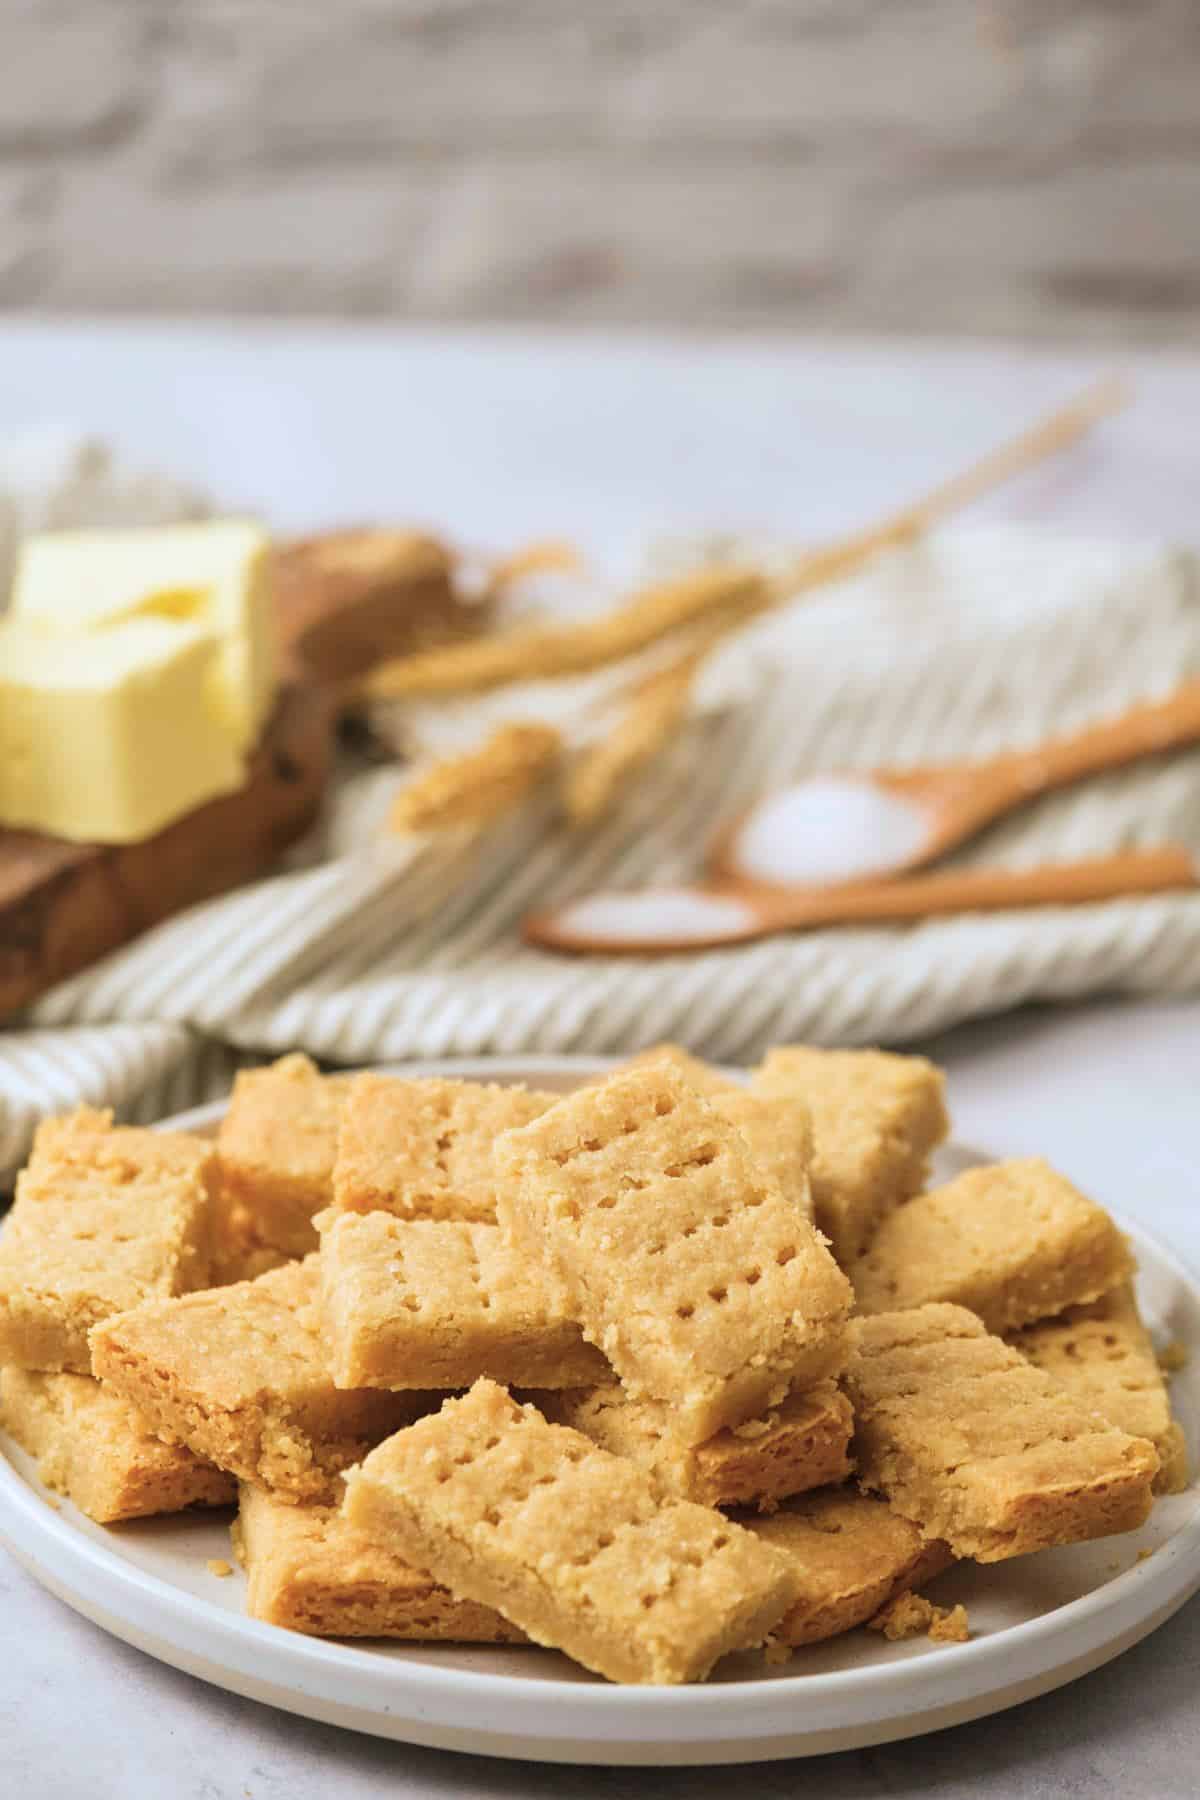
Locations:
{"points": [[1125, 872], [702, 918], [1150, 728]]}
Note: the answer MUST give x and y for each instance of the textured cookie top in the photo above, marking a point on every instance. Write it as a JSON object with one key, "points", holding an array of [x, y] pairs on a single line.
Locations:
{"points": [[1103, 1355], [967, 1436], [778, 1131], [679, 1254], [578, 1540], [875, 1119], [282, 1122], [1012, 1241], [109, 1214], [423, 1149], [233, 1343], [410, 1302]]}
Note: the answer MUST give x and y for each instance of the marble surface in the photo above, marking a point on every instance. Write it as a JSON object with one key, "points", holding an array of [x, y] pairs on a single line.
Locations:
{"points": [[510, 436]]}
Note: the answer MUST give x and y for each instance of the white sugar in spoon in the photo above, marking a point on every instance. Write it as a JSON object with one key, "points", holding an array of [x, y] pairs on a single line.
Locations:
{"points": [[659, 921], [864, 826]]}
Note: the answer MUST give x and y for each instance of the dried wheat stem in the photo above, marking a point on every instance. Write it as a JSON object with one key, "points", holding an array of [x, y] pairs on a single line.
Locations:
{"points": [[480, 785]]}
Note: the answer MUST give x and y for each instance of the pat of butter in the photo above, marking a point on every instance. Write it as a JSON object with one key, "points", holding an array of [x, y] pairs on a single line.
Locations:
{"points": [[215, 574], [109, 736]]}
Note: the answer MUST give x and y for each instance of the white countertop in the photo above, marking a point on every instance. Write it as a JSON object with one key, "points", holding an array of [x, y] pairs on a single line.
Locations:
{"points": [[508, 436]]}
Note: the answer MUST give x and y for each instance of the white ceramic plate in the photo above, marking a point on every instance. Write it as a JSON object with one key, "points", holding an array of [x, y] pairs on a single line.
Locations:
{"points": [[1036, 1622]]}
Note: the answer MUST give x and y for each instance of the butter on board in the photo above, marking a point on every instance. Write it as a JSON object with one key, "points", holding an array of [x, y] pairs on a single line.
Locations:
{"points": [[214, 576], [108, 737], [63, 905]]}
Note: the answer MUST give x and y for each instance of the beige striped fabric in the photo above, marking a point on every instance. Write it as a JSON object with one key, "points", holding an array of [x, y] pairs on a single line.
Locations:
{"points": [[374, 951]]}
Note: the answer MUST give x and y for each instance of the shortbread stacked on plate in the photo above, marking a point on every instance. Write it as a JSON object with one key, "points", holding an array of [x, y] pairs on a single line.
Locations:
{"points": [[651, 1371]]}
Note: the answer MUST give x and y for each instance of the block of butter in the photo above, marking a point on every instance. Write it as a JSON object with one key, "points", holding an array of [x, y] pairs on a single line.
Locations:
{"points": [[107, 736], [215, 574]]}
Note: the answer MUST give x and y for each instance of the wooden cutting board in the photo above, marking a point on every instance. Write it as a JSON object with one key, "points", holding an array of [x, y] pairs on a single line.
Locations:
{"points": [[343, 600], [63, 905]]}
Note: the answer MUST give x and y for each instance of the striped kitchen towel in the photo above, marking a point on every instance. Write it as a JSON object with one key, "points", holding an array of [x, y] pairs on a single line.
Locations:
{"points": [[377, 950]]}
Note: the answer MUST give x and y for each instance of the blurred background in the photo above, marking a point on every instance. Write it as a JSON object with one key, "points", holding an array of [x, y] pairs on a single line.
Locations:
{"points": [[1025, 167]]}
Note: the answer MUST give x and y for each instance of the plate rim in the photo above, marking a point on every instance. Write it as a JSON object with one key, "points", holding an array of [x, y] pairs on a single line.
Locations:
{"points": [[735, 1710]]}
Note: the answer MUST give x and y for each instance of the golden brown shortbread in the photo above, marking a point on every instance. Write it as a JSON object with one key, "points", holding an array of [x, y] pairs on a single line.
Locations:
{"points": [[703, 1285], [93, 1447], [1104, 1357], [876, 1119], [801, 1443], [309, 1570], [420, 1303], [241, 1376], [573, 1545], [276, 1148], [1011, 1241], [105, 1216], [850, 1553], [422, 1149], [978, 1447]]}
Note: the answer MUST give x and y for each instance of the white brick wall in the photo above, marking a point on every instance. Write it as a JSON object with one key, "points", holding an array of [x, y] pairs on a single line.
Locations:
{"points": [[1021, 165]]}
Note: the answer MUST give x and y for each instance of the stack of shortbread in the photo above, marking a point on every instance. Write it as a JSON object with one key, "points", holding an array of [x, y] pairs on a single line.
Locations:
{"points": [[655, 1370]]}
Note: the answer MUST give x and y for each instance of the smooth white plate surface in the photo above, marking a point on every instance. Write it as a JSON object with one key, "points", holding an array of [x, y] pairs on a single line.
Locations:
{"points": [[1036, 1622]]}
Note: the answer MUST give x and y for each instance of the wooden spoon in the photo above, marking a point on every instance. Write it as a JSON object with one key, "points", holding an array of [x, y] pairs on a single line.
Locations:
{"points": [[844, 828], [661, 921]]}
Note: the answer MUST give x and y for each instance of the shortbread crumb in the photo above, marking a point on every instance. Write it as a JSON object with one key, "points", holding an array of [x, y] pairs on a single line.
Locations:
{"points": [[910, 1615]]}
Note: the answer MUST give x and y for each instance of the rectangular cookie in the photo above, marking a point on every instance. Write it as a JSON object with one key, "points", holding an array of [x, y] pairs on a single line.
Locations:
{"points": [[802, 1443], [241, 1376], [778, 1131], [275, 1149], [308, 1569], [568, 1542], [104, 1218], [421, 1303], [93, 1447], [851, 1554], [422, 1149], [1103, 1356], [703, 1285], [981, 1449], [1011, 1241], [876, 1118]]}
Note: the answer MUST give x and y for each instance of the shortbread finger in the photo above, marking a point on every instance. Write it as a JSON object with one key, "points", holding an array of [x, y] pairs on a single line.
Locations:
{"points": [[420, 1303], [93, 1447], [423, 1149], [568, 1542], [978, 1447], [681, 1259], [876, 1119], [802, 1443], [241, 1376], [1012, 1241], [309, 1570], [1103, 1356], [850, 1554], [104, 1217], [276, 1148]]}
